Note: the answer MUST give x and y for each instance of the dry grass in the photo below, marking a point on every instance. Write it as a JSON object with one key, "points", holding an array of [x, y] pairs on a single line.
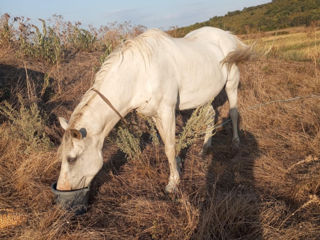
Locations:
{"points": [[291, 45], [270, 189]]}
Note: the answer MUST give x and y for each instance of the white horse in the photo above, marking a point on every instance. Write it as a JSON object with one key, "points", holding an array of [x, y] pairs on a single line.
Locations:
{"points": [[154, 74]]}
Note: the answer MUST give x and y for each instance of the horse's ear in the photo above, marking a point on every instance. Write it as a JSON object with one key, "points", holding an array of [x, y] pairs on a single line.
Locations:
{"points": [[63, 123], [76, 134]]}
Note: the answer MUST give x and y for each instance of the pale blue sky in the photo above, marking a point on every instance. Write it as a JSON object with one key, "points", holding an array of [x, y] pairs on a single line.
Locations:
{"points": [[161, 14]]}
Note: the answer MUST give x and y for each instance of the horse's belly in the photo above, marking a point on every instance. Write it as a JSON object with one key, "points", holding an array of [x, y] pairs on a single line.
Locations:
{"points": [[193, 100], [197, 90]]}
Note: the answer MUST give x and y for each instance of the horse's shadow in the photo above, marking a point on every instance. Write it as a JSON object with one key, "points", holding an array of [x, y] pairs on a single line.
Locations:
{"points": [[37, 86], [231, 206], [113, 164]]}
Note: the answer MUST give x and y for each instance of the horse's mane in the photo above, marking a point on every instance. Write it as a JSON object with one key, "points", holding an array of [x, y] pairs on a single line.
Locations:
{"points": [[141, 46]]}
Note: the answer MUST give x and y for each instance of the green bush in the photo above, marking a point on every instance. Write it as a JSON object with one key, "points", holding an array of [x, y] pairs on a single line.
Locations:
{"points": [[106, 53], [5, 31], [128, 143], [195, 127], [128, 137], [82, 40], [45, 44]]}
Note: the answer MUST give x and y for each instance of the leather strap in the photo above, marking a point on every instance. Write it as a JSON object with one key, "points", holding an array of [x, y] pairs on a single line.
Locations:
{"points": [[109, 104]]}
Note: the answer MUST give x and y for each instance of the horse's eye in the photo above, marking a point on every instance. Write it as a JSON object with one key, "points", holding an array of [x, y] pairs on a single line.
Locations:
{"points": [[71, 159]]}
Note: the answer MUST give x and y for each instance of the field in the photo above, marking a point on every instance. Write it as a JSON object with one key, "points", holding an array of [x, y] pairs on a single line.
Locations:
{"points": [[297, 44], [269, 189]]}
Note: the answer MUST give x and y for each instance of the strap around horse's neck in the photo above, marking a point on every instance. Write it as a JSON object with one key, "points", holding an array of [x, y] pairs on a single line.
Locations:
{"points": [[109, 104]]}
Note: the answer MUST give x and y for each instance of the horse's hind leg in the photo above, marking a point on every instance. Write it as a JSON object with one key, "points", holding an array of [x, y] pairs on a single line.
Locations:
{"points": [[232, 92], [165, 123]]}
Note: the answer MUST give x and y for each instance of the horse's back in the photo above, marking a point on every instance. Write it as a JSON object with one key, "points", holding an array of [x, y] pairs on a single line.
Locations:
{"points": [[187, 70], [199, 74], [224, 39]]}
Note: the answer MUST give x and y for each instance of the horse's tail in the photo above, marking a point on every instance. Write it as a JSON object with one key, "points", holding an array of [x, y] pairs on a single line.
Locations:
{"points": [[241, 54]]}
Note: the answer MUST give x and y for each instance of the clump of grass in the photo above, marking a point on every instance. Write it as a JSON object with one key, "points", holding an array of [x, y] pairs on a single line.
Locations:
{"points": [[55, 42], [106, 53], [81, 39], [153, 132], [46, 44], [26, 124], [5, 31], [128, 137], [196, 127], [128, 143]]}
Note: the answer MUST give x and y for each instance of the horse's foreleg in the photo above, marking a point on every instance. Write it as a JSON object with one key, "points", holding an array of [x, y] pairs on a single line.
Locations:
{"points": [[165, 123], [232, 93]]}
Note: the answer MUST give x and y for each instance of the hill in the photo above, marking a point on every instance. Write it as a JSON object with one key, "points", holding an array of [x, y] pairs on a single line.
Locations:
{"points": [[271, 16]]}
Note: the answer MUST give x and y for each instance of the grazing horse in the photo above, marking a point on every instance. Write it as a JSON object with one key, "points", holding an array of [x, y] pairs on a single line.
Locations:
{"points": [[153, 74]]}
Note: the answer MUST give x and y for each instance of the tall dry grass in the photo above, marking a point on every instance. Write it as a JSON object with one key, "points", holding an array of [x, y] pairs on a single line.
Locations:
{"points": [[303, 45]]}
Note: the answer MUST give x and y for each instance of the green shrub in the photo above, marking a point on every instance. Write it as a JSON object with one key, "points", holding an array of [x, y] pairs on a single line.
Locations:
{"points": [[81, 39], [45, 44], [106, 53], [128, 142], [5, 31], [195, 127], [128, 138], [153, 132]]}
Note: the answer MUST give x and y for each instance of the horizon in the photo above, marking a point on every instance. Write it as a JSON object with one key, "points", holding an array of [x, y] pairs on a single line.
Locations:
{"points": [[164, 15]]}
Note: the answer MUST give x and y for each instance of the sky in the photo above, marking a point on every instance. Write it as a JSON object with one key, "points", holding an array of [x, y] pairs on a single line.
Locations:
{"points": [[152, 14]]}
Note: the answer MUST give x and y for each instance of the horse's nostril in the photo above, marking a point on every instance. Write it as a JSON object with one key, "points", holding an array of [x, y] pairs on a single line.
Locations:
{"points": [[71, 159]]}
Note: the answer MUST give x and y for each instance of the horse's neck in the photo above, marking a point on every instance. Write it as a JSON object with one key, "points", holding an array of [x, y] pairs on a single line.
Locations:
{"points": [[119, 88], [122, 87]]}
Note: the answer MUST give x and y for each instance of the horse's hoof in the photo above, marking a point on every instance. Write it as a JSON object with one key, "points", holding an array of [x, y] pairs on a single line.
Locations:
{"points": [[204, 151], [171, 188], [235, 145]]}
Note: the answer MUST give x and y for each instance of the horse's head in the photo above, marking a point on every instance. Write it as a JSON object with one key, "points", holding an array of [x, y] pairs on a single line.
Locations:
{"points": [[81, 157]]}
